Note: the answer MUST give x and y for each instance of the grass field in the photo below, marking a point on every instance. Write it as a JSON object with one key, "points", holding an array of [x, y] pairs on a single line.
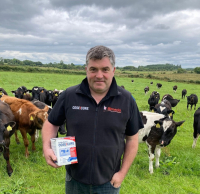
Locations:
{"points": [[179, 170]]}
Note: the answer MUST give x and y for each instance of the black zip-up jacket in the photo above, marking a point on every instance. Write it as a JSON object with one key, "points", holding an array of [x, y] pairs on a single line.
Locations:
{"points": [[99, 129]]}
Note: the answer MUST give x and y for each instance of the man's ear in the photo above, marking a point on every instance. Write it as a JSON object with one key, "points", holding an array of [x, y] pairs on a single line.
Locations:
{"points": [[114, 69]]}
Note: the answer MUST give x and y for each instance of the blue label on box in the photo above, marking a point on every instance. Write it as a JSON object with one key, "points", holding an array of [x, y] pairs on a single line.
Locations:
{"points": [[64, 152]]}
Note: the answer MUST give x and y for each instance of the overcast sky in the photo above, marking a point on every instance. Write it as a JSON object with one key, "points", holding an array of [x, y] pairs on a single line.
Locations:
{"points": [[139, 32]]}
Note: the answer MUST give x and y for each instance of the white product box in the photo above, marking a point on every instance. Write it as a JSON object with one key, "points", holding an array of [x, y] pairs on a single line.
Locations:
{"points": [[65, 150]]}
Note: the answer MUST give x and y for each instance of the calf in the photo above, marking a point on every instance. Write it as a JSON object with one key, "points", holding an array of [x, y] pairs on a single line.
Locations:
{"points": [[7, 129], [22, 93], [153, 100], [49, 97], [28, 118], [175, 88], [151, 83], [159, 85], [2, 92], [184, 92], [164, 108], [192, 100], [146, 89], [158, 132], [172, 101], [196, 126]]}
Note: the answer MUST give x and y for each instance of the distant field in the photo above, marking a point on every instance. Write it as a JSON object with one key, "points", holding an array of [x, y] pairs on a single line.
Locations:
{"points": [[180, 164]]}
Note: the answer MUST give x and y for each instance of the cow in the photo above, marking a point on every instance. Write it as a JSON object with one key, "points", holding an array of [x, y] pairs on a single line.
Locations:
{"points": [[153, 100], [164, 108], [56, 94], [151, 83], [2, 92], [172, 101], [192, 100], [132, 80], [159, 85], [40, 105], [36, 92], [28, 118], [146, 89], [175, 88], [7, 129], [49, 97], [184, 92], [196, 126], [158, 132], [22, 93]]}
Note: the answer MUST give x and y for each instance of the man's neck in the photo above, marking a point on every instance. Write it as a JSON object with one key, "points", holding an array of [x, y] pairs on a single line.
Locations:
{"points": [[98, 96]]}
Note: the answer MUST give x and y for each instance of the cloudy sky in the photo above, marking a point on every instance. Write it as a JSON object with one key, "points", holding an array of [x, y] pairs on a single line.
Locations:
{"points": [[139, 32]]}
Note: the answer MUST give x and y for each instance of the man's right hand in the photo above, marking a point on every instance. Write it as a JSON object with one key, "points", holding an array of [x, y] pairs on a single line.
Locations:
{"points": [[50, 158]]}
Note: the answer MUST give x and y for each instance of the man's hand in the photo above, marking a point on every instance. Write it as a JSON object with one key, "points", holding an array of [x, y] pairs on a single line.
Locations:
{"points": [[50, 158], [117, 179]]}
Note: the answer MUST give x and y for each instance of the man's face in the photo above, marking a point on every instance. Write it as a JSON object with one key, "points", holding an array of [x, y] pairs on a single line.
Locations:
{"points": [[99, 74]]}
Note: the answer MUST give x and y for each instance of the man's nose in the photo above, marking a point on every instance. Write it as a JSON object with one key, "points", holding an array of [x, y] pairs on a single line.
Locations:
{"points": [[99, 74]]}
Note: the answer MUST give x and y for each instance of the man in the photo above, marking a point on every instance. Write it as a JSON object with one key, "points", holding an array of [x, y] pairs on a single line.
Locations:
{"points": [[100, 115]]}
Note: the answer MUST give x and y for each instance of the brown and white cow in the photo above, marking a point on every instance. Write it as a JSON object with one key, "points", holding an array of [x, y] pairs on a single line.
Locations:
{"points": [[28, 118], [175, 88], [158, 132], [7, 129], [146, 89]]}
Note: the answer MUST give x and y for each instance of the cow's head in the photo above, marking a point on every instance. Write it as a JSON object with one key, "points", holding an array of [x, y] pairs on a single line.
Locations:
{"points": [[49, 95], [37, 118], [169, 128], [164, 110], [35, 93], [20, 92], [6, 130]]}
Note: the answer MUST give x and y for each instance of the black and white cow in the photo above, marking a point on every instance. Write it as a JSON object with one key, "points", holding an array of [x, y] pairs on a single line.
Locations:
{"points": [[159, 85], [146, 89], [22, 93], [49, 97], [164, 108], [175, 88], [153, 100], [158, 132], [7, 129], [184, 92], [192, 100], [172, 101], [196, 126]]}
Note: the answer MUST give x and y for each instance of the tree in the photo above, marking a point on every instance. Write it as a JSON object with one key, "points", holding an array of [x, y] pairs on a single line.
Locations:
{"points": [[197, 70], [180, 70]]}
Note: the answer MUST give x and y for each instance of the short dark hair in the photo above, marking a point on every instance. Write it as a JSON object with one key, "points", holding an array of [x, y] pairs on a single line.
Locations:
{"points": [[99, 52]]}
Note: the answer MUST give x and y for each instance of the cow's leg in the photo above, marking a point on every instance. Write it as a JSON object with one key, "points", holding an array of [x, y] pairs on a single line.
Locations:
{"points": [[151, 157], [157, 154], [195, 140], [33, 141], [36, 134], [6, 157], [191, 106], [26, 142], [16, 137]]}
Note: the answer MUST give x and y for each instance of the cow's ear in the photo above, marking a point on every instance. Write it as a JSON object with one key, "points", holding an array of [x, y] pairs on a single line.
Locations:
{"points": [[170, 112], [30, 91], [10, 125], [178, 124], [46, 108], [32, 116], [158, 123], [14, 92]]}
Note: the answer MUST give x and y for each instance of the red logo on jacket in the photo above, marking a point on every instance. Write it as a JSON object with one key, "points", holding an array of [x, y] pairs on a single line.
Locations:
{"points": [[117, 110]]}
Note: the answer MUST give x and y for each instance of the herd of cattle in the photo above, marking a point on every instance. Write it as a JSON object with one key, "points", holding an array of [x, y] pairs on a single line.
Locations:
{"points": [[28, 110]]}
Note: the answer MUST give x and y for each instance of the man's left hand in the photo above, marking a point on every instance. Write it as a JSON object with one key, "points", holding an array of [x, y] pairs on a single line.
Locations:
{"points": [[117, 179]]}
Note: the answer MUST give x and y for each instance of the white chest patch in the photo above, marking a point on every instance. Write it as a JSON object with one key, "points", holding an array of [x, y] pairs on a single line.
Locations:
{"points": [[166, 125], [19, 111], [162, 108]]}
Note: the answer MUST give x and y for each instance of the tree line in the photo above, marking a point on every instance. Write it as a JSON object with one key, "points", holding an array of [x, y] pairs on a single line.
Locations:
{"points": [[62, 65]]}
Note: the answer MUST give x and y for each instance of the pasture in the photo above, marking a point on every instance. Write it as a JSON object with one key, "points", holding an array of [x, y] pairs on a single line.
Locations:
{"points": [[179, 169]]}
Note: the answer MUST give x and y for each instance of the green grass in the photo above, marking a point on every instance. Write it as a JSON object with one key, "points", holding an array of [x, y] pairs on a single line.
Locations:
{"points": [[180, 164]]}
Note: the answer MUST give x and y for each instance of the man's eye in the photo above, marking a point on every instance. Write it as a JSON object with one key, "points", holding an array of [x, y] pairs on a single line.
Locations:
{"points": [[92, 69], [105, 70]]}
